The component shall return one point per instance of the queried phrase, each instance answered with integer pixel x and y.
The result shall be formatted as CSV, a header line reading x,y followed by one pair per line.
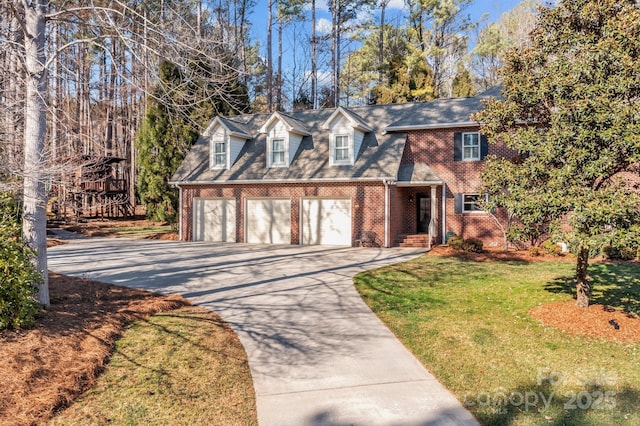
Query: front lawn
x,y
468,323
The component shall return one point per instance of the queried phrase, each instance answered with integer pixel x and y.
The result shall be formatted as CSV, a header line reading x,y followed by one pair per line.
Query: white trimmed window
x,y
341,150
471,146
219,159
277,152
471,202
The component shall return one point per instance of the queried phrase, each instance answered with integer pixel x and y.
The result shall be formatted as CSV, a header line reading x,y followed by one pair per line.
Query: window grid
x,y
277,152
471,202
341,149
220,154
471,146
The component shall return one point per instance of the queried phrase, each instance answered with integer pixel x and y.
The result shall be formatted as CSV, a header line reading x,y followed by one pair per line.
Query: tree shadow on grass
x,y
613,284
542,402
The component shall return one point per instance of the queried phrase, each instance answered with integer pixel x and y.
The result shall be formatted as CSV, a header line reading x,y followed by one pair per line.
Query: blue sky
x,y
296,61
490,9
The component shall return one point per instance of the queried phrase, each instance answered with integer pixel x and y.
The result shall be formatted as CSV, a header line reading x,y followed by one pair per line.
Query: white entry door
x,y
326,221
268,221
214,220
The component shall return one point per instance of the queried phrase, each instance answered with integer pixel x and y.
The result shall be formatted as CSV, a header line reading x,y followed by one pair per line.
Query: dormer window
x,y
346,133
284,136
219,160
226,140
277,152
341,150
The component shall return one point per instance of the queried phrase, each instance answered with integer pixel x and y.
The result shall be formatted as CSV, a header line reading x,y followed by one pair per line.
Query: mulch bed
x,y
45,368
596,321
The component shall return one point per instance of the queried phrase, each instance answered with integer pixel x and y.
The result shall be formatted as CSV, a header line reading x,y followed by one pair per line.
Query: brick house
x,y
397,174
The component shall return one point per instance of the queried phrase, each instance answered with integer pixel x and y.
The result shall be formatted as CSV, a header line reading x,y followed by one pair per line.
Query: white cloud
x,y
323,26
322,5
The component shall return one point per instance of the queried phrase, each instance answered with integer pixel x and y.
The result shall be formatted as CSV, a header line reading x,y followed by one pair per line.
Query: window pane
x,y
471,202
471,146
277,151
277,158
341,151
220,154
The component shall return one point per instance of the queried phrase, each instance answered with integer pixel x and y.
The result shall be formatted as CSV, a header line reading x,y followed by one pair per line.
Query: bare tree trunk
x,y
314,71
279,74
35,219
583,286
383,8
269,57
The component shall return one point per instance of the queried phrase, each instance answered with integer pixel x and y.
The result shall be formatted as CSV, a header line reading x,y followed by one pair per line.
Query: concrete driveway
x,y
317,354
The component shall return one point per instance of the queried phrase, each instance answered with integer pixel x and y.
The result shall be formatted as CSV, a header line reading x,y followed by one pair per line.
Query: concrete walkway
x,y
317,354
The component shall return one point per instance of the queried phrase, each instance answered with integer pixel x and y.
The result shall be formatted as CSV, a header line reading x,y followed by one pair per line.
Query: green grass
x,y
182,367
467,322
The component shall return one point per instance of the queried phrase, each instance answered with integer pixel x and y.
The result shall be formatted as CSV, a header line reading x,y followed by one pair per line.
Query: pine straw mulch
x,y
101,227
602,322
597,321
45,368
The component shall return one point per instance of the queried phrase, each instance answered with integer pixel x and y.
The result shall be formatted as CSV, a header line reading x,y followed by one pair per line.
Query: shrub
x,y
549,247
455,242
535,251
621,253
18,276
473,245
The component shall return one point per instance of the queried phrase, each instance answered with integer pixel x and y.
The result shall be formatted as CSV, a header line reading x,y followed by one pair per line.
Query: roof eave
x,y
431,126
254,181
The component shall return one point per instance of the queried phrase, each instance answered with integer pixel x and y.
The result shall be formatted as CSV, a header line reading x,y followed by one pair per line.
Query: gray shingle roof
x,y
379,157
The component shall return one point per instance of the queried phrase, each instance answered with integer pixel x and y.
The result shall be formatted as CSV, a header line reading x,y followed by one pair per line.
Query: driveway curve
x,y
317,354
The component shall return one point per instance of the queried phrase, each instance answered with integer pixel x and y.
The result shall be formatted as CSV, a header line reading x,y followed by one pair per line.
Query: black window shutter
x,y
457,202
457,146
484,146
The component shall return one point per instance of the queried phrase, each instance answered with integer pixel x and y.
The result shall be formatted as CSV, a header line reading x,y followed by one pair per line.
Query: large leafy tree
x,y
571,103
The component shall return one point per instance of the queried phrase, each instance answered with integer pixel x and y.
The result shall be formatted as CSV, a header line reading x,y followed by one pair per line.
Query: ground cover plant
x,y
474,325
138,368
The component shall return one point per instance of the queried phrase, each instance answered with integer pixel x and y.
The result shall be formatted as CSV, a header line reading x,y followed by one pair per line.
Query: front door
x,y
424,213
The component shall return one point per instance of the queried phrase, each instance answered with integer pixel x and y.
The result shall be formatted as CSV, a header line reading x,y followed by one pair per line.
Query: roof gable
x,y
291,124
232,128
354,119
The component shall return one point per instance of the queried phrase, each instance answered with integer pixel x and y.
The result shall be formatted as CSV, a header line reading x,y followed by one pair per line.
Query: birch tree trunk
x,y
34,225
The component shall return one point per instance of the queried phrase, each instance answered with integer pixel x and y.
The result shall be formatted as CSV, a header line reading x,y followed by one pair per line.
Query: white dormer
x,y
284,135
346,133
226,139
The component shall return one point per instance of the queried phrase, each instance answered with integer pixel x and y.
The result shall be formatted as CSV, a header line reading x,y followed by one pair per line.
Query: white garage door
x,y
269,221
326,221
214,220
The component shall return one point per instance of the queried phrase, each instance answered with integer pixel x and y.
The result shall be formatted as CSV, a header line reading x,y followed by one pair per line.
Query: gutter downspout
x,y
386,211
180,212
444,213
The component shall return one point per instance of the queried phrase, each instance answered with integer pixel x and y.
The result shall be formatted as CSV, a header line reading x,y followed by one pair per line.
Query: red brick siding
x,y
367,203
435,148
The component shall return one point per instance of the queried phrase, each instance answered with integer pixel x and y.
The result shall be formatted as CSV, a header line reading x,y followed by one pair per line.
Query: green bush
x,y
473,245
455,242
620,253
18,276
551,248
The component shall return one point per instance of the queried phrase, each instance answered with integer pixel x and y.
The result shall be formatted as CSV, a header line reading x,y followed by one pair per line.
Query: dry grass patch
x,y
46,368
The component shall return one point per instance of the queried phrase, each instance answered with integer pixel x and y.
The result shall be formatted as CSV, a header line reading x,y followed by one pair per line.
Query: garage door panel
x,y
326,221
214,220
269,221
